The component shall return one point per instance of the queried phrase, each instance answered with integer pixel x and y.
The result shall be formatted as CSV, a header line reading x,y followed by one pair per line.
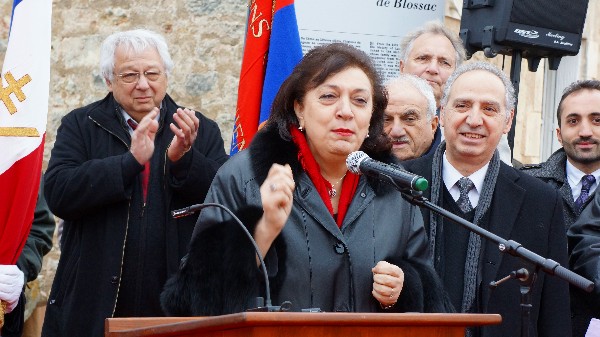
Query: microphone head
x,y
354,159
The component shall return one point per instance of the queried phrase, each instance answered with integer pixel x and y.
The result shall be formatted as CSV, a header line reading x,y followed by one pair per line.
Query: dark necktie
x,y
146,171
464,186
586,182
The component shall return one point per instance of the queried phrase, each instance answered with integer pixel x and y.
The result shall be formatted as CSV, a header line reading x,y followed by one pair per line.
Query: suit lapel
x,y
362,198
422,167
567,194
506,204
309,199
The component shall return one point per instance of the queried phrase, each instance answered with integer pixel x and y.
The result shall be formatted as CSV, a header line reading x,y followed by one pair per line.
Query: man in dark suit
x,y
574,171
468,178
118,168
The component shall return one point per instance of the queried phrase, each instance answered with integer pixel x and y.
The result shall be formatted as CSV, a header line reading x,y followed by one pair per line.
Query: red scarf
x,y
311,167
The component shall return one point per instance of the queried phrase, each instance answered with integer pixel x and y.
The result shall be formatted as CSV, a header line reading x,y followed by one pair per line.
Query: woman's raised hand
x,y
276,193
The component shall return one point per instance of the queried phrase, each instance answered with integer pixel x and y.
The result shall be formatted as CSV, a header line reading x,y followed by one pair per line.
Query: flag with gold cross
x,y
23,113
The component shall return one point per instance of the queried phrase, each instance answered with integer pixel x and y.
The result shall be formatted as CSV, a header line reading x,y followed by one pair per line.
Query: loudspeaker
x,y
537,28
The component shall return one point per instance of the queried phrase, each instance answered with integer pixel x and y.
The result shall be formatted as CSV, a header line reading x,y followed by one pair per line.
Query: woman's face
x,y
336,114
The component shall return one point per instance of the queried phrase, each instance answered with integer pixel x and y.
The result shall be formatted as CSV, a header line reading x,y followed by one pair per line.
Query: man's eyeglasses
x,y
135,77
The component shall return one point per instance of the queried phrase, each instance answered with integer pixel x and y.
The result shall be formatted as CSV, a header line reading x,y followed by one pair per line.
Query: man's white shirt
x,y
450,175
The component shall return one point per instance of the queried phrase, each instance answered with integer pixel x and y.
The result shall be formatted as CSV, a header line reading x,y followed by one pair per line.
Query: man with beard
x,y
409,118
574,169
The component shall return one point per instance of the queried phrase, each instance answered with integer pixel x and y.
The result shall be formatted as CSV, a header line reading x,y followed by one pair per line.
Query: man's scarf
x,y
472,269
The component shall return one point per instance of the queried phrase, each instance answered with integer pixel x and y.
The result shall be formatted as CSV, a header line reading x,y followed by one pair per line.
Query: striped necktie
x,y
464,186
586,183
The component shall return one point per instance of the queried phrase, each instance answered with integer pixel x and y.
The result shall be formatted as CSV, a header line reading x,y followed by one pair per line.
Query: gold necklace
x,y
333,191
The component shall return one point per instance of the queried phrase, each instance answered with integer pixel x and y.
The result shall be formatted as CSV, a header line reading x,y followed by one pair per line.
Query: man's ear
x,y
109,84
434,123
559,135
509,121
442,115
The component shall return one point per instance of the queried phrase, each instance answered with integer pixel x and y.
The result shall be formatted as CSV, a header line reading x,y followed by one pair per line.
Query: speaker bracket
x,y
465,36
472,4
533,63
554,62
487,41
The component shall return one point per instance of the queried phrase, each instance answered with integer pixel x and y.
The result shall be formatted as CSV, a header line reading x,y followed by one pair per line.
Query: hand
x,y
11,285
142,139
388,280
276,194
185,135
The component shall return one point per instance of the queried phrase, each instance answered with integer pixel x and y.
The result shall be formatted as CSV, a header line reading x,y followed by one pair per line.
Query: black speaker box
x,y
537,28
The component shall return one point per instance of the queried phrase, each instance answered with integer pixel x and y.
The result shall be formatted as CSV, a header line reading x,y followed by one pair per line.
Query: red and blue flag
x,y
268,60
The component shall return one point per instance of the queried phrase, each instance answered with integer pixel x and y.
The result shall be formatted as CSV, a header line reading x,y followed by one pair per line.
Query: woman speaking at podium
x,y
330,239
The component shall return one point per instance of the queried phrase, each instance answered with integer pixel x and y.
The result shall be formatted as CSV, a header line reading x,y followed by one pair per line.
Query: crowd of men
x,y
121,164
433,54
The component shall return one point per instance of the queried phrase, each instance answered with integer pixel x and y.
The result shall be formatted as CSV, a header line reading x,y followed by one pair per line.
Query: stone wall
x,y
205,37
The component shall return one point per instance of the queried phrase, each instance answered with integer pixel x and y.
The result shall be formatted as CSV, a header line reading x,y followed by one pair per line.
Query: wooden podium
x,y
296,324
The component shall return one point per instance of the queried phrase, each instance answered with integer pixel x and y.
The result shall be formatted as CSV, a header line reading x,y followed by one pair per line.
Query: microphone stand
x,y
525,289
260,305
511,247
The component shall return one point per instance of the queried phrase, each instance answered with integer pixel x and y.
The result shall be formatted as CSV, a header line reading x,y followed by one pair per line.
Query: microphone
x,y
359,162
285,306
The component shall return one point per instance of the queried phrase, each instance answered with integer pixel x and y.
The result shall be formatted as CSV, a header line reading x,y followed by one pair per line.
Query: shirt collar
x,y
574,176
126,117
450,175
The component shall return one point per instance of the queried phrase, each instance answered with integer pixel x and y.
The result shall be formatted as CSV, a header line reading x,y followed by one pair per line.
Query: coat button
x,y
114,279
339,248
363,194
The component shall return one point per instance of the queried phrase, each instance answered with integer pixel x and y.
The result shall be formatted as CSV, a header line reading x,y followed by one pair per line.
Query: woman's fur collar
x,y
268,148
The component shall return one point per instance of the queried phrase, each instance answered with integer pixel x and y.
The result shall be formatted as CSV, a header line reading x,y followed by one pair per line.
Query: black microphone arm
x,y
505,246
195,208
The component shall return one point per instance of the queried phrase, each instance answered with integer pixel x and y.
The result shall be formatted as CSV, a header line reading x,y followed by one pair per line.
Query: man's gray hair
x,y
421,85
435,28
136,41
479,65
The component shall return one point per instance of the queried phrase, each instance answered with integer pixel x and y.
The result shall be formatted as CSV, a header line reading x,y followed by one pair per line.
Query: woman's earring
x,y
300,128
367,135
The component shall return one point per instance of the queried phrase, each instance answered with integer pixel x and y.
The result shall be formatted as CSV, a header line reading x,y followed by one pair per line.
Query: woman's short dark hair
x,y
315,68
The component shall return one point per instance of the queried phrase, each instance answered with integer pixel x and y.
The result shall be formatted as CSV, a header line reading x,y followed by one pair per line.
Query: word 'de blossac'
x,y
407,4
